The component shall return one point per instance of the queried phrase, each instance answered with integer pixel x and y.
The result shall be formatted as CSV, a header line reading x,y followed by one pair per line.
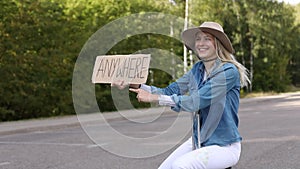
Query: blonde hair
x,y
226,56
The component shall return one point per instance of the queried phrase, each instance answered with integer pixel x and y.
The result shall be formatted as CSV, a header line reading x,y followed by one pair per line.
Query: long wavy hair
x,y
226,56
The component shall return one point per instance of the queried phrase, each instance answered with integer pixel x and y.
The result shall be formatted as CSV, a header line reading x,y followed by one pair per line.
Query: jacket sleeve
x,y
214,89
179,87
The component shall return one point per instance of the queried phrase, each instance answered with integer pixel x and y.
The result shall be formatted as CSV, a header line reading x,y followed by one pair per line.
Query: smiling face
x,y
205,46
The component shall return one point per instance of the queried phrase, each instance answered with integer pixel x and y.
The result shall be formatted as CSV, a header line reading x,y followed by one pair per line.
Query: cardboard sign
x,y
129,68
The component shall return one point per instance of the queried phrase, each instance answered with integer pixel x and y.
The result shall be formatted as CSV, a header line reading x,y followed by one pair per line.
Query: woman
x,y
211,90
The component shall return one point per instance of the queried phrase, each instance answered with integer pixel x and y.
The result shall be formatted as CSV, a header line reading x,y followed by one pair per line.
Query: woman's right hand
x,y
144,96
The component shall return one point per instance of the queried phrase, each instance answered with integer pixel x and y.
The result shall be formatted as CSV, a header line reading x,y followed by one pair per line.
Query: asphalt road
x,y
269,126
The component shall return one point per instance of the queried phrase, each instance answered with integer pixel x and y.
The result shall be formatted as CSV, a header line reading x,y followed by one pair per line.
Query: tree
x,y
40,41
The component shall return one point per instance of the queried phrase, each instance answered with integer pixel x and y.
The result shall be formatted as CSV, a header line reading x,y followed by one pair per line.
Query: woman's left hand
x,y
144,96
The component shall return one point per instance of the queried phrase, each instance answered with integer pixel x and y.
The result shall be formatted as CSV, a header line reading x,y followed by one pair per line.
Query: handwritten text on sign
x,y
129,68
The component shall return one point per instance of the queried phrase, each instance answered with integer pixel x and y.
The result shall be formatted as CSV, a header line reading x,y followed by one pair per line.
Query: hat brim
x,y
189,35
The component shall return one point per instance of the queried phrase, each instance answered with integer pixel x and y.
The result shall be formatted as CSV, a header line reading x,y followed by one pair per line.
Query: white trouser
x,y
210,157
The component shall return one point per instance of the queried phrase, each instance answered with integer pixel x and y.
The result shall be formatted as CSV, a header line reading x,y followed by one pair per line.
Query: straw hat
x,y
189,35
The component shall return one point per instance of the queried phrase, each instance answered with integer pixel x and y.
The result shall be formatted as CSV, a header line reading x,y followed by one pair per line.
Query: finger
x,y
122,83
121,87
134,90
117,83
113,84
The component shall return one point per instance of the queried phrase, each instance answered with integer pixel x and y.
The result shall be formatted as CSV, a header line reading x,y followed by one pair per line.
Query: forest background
x,y
40,41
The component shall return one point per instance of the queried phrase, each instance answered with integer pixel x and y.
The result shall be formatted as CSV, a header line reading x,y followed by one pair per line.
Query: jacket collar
x,y
215,69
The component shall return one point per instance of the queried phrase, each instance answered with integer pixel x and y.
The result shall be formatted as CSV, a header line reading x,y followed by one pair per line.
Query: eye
x,y
207,38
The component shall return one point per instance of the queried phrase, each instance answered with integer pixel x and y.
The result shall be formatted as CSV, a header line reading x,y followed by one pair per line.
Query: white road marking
x,y
4,163
38,143
279,139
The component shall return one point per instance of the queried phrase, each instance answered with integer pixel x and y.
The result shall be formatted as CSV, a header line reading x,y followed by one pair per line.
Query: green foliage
x,y
297,14
41,39
36,59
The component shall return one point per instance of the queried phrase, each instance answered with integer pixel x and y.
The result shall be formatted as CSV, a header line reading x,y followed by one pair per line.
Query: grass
x,y
258,94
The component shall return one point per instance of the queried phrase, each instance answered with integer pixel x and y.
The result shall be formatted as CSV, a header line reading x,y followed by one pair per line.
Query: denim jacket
x,y
216,99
